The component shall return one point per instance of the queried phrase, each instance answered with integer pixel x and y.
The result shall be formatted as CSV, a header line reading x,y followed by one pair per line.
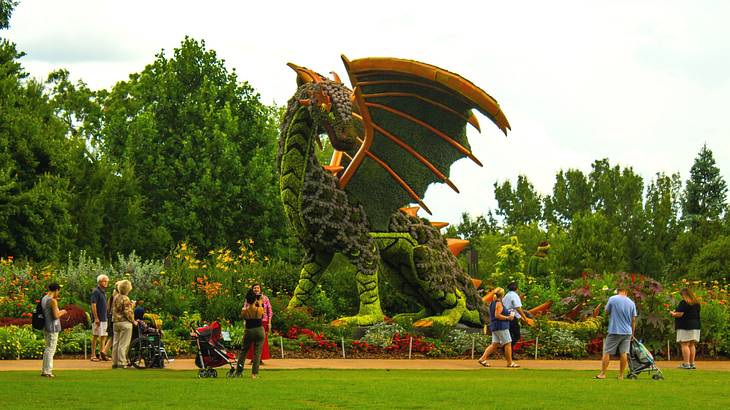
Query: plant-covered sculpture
x,y
396,131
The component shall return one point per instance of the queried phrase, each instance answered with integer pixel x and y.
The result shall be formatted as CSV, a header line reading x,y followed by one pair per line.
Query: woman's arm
x,y
54,307
498,313
128,310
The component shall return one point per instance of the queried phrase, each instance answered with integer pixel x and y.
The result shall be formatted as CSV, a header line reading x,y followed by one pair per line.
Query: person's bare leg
x,y
685,352
102,345
109,342
508,353
623,360
692,352
93,346
488,351
604,366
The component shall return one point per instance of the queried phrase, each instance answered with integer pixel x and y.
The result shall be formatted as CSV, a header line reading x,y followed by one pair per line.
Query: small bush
x,y
20,342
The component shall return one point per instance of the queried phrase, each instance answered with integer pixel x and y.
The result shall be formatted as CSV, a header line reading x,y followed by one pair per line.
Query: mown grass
x,y
513,389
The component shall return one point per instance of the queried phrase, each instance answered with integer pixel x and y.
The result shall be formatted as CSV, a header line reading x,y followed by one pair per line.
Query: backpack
x,y
39,320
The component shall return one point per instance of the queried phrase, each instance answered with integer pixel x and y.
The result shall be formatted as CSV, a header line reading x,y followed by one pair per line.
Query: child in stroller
x,y
211,352
147,349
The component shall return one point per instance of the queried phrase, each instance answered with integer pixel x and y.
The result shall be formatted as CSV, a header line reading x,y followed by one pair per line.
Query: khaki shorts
x,y
98,330
501,337
688,335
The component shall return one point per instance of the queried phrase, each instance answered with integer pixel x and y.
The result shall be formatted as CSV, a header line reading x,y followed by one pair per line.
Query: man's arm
x,y
523,316
95,313
633,325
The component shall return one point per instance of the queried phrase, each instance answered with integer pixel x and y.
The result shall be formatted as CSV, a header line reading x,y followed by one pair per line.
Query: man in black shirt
x,y
98,314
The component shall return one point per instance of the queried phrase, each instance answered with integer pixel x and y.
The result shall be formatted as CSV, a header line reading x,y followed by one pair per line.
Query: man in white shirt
x,y
512,302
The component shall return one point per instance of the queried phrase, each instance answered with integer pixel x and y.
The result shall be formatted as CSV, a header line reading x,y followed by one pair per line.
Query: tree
x,y
705,191
662,209
6,10
518,206
35,162
202,147
618,195
571,195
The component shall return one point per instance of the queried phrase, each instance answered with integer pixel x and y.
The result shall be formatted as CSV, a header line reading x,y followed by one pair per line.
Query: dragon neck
x,y
296,153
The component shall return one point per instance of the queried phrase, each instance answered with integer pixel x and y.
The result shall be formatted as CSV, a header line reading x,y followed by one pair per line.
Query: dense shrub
x,y
20,342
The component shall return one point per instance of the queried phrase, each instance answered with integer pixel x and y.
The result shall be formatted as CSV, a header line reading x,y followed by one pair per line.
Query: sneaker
x,y
49,375
685,366
692,366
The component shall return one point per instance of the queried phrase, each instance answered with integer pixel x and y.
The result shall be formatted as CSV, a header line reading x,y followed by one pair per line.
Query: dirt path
x,y
188,364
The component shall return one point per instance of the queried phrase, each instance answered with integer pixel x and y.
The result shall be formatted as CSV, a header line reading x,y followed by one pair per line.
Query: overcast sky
x,y
642,83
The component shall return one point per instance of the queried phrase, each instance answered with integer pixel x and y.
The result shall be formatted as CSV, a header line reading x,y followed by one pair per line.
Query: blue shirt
x,y
98,296
622,311
494,323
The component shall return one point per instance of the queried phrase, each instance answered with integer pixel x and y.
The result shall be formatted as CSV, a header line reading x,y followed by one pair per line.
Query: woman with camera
x,y
252,313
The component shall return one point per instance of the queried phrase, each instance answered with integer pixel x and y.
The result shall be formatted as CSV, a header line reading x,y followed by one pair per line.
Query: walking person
x,y
51,328
265,322
99,315
253,338
512,303
687,323
123,312
499,321
110,321
621,326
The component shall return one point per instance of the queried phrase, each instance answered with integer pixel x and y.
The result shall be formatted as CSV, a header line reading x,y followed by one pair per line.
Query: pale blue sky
x,y
643,83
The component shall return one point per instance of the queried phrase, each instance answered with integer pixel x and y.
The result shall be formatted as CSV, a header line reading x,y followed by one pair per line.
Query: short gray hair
x,y
101,277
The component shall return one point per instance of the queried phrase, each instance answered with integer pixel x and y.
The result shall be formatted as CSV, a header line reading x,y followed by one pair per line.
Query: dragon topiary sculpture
x,y
399,129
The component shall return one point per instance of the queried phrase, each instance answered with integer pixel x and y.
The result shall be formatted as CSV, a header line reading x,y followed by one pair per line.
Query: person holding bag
x,y
252,313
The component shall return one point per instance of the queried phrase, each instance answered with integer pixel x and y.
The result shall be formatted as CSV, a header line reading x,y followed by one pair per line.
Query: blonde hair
x,y
498,292
689,296
124,287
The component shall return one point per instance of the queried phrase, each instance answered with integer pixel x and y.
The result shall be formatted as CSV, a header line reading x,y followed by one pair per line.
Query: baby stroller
x,y
211,352
146,351
641,360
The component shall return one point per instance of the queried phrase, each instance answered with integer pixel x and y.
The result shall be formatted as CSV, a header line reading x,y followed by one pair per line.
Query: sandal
x,y
95,359
513,365
483,363
104,357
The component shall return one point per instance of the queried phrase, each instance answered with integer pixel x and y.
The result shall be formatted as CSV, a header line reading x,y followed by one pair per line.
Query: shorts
x,y
615,344
501,337
98,330
684,335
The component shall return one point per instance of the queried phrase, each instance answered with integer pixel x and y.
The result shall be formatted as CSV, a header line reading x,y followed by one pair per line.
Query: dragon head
x,y
330,105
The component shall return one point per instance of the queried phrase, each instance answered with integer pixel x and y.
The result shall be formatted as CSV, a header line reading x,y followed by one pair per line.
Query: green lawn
x,y
503,389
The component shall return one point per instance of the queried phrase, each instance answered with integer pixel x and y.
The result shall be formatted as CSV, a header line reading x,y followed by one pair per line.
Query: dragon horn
x,y
305,75
336,77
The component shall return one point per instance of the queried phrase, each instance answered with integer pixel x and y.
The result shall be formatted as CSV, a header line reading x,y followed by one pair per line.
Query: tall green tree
x,y
705,191
618,194
571,195
662,210
518,206
201,145
35,162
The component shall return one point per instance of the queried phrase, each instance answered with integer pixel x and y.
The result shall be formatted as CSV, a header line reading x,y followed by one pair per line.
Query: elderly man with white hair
x,y
99,315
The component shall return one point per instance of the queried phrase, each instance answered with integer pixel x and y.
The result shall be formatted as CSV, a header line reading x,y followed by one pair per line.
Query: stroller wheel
x,y
213,373
657,377
631,376
231,374
202,373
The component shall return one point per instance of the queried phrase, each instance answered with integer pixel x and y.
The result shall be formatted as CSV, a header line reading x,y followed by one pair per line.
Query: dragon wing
x,y
413,118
